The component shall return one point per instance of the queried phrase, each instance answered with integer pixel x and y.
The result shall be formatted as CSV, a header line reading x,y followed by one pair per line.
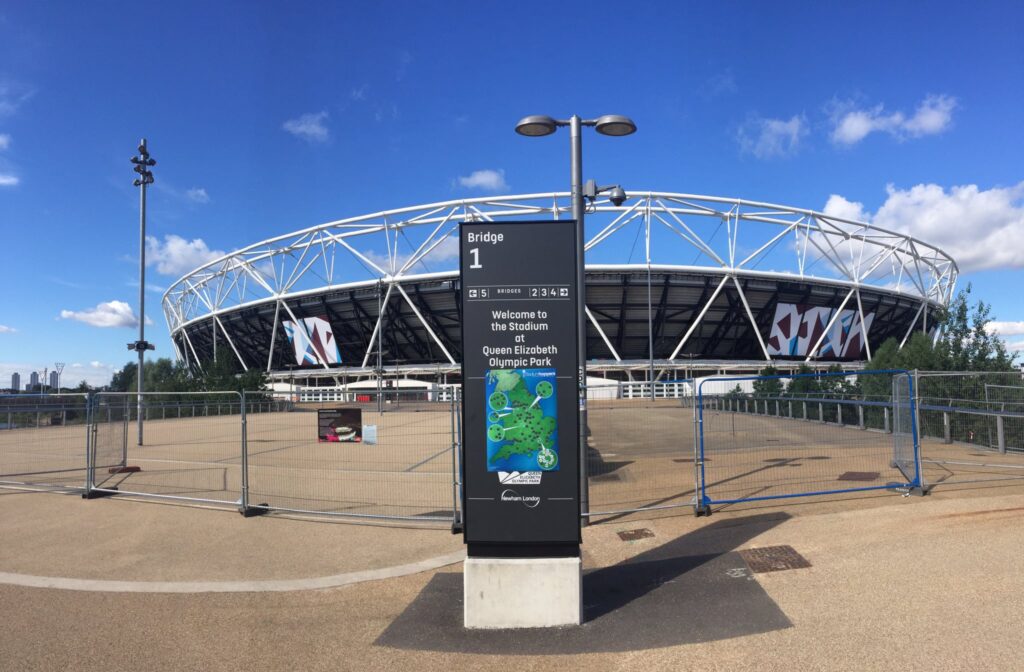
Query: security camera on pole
x,y
143,163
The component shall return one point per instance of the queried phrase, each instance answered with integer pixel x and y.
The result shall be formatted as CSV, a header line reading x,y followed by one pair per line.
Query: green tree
x,y
964,343
768,387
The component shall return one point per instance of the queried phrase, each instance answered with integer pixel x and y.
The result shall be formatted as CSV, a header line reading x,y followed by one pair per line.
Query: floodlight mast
x,y
142,163
610,124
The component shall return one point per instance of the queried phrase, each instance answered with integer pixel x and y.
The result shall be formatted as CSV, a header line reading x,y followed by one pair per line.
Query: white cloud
x,y
177,256
8,180
980,229
933,115
106,314
359,93
769,138
197,195
310,127
487,179
1005,328
4,329
5,141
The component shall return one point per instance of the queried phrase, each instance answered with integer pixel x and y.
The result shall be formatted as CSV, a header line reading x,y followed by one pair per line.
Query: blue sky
x,y
265,118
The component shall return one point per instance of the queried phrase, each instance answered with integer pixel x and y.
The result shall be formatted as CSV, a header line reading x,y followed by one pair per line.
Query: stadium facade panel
x,y
680,280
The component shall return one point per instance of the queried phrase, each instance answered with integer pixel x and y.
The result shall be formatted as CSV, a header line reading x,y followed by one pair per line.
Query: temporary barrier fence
x,y
971,426
43,440
191,449
724,441
639,450
396,459
774,437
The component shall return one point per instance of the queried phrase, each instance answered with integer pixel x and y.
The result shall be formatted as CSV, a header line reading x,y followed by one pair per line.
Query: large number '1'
x,y
476,258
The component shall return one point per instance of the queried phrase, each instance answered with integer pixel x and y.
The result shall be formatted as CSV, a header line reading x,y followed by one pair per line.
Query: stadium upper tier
x,y
670,277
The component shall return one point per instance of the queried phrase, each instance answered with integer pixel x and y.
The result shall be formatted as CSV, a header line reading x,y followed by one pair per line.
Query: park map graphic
x,y
522,420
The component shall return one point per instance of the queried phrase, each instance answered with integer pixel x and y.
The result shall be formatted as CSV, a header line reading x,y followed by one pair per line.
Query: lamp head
x,y
615,124
536,125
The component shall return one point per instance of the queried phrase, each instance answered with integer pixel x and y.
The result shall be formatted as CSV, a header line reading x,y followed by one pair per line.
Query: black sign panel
x,y
520,389
339,425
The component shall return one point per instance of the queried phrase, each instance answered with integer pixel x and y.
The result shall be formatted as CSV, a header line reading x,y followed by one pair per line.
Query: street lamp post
x,y
143,163
609,124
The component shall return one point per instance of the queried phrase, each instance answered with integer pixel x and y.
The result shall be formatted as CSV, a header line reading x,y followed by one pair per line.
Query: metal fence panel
x,y
770,437
108,421
406,473
192,448
971,426
43,440
906,457
640,451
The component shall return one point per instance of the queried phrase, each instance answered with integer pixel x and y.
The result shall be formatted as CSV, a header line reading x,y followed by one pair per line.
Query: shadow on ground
x,y
694,588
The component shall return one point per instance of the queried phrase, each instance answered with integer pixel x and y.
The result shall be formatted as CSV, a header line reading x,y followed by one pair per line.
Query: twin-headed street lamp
x,y
610,124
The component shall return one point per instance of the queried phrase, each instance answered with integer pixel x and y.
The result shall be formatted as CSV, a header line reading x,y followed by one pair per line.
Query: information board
x,y
520,454
339,425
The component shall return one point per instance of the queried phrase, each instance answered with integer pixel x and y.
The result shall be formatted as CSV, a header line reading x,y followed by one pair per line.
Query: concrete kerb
x,y
257,586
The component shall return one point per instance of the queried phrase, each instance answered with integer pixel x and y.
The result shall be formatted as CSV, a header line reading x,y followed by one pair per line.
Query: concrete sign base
x,y
522,592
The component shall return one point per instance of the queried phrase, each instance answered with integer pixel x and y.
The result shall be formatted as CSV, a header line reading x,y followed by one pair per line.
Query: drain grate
x,y
859,476
773,559
635,535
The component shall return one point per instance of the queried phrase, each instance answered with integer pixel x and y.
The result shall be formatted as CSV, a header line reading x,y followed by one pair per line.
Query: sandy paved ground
x,y
900,583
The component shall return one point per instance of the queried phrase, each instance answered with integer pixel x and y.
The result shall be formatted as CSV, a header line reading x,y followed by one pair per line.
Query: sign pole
x,y
578,213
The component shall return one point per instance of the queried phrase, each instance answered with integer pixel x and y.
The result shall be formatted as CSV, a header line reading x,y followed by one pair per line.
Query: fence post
x,y
805,410
790,404
455,477
839,414
885,418
1000,435
778,413
946,434
860,417
821,412
244,498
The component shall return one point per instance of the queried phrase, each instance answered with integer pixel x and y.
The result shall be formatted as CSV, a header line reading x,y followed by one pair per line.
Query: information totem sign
x,y
520,449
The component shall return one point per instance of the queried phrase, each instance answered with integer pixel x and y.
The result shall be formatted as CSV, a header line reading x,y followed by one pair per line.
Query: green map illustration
x,y
522,420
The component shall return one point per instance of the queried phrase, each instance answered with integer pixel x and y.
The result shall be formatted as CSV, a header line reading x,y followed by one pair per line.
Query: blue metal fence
x,y
776,437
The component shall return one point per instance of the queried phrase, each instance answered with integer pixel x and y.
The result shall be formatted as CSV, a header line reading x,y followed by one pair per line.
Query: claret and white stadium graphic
x,y
673,281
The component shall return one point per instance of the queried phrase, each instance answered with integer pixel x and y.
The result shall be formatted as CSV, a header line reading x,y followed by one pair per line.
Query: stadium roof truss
x,y
394,251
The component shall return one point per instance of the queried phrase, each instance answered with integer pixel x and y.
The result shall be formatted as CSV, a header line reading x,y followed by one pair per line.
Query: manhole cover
x,y
773,559
635,535
859,476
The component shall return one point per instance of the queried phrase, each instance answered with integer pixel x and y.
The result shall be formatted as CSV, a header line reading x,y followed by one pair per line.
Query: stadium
x,y
676,285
